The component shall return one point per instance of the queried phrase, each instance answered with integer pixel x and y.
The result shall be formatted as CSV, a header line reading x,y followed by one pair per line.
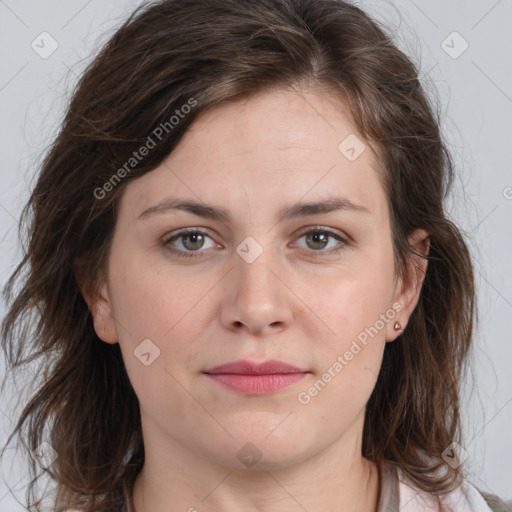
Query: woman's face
x,y
262,277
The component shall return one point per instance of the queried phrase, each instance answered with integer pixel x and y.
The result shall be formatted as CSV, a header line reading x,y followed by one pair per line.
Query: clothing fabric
x,y
397,494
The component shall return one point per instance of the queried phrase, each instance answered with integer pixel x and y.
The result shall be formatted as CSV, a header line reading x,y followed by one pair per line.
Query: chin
x,y
257,452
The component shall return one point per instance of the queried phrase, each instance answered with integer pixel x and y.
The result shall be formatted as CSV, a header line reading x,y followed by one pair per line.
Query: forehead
x,y
275,147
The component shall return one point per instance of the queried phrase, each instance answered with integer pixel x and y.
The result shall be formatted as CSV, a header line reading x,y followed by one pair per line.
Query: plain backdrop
x,y
463,50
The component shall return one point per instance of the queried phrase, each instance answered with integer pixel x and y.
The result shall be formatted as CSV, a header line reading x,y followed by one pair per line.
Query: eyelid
x,y
185,231
331,231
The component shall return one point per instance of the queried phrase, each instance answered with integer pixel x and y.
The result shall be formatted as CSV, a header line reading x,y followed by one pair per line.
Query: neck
x,y
336,479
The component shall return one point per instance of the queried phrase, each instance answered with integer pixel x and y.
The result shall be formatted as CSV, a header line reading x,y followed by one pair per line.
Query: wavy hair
x,y
164,55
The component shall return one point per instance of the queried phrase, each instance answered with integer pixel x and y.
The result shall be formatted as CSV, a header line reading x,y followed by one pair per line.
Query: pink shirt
x,y
398,494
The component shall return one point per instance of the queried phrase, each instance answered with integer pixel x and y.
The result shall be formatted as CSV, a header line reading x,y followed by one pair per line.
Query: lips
x,y
251,378
244,367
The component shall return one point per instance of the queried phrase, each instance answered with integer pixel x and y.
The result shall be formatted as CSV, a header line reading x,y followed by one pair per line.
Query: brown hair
x,y
204,53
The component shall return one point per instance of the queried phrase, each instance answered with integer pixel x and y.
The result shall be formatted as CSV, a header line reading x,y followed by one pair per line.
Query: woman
x,y
245,290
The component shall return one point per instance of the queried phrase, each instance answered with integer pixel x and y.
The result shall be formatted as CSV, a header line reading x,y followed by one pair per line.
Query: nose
x,y
257,299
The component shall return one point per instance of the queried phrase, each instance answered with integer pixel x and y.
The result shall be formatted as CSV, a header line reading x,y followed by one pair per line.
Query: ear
x,y
408,288
100,306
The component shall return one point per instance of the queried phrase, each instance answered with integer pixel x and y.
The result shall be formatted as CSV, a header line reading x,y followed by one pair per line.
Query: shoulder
x,y
465,498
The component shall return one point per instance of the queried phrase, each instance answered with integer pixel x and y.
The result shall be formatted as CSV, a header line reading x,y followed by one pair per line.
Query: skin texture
x,y
251,158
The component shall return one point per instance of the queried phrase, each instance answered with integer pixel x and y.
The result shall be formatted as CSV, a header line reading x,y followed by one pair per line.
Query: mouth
x,y
250,378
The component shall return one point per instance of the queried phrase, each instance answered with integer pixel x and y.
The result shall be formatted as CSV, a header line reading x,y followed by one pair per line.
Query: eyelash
x,y
198,254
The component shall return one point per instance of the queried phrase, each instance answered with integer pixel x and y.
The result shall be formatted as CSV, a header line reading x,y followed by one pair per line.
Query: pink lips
x,y
256,379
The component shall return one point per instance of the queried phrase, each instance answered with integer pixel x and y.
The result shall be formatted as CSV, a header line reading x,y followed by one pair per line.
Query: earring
x,y
397,327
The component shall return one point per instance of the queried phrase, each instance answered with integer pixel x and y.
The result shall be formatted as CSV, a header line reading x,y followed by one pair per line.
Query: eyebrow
x,y
295,210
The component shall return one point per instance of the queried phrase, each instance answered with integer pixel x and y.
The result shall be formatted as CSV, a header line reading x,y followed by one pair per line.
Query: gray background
x,y
474,88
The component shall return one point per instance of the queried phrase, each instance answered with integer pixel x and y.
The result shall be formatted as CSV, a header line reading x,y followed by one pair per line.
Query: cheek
x,y
355,301
154,300
348,362
156,307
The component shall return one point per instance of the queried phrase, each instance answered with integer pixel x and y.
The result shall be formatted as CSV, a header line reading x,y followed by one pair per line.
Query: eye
x,y
318,239
190,240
